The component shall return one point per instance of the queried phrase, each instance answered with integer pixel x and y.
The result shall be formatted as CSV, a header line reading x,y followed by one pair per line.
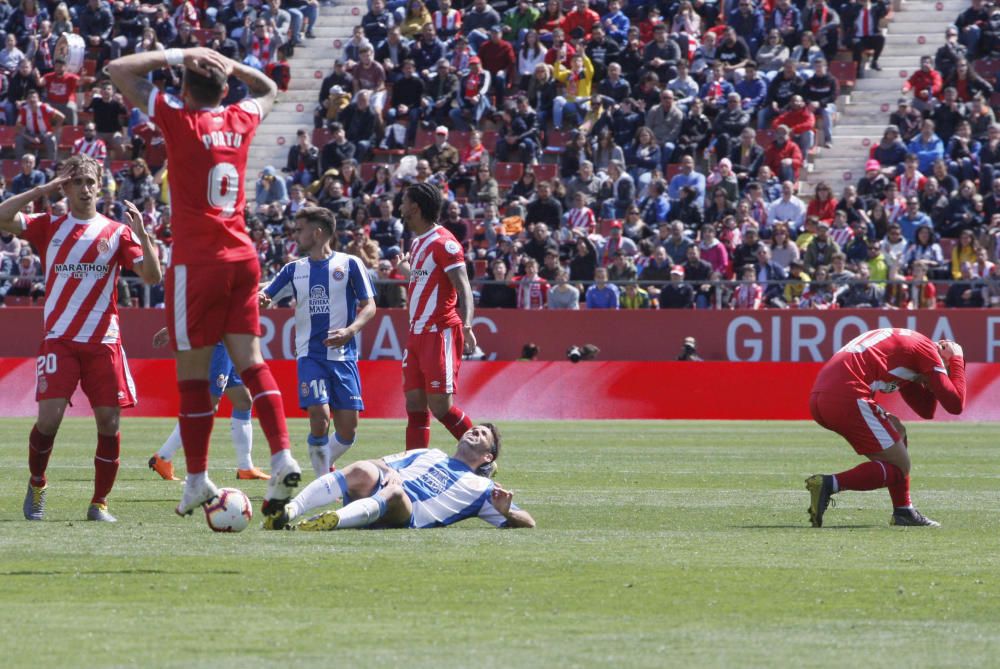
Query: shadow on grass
x,y
117,572
804,527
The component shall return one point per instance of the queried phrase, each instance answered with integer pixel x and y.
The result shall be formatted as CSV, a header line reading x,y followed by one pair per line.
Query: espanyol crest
x,y
339,274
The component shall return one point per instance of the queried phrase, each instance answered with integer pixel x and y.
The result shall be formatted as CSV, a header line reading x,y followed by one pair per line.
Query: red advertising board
x,y
548,390
735,336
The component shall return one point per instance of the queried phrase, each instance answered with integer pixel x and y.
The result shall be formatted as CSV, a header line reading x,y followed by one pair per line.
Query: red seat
x,y
119,165
460,139
321,136
490,141
423,139
507,174
70,133
546,171
555,141
986,67
89,68
383,153
10,169
845,72
480,267
947,245
995,99
368,170
8,134
84,117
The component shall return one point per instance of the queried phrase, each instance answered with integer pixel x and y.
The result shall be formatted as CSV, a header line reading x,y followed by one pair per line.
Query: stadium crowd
x,y
597,155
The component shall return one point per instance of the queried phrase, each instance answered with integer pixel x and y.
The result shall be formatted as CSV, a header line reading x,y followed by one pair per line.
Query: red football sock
x,y
105,466
418,429
39,450
456,422
270,408
195,420
900,493
870,476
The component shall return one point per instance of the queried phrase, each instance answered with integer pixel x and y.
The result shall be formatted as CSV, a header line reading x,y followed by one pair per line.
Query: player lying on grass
x,y
82,253
333,301
417,489
223,379
843,401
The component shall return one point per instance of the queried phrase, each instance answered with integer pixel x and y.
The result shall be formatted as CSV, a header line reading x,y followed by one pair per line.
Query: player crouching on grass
x,y
842,400
333,301
82,252
416,489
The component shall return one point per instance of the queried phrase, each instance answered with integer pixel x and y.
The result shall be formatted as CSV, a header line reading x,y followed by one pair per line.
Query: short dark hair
x,y
428,200
208,88
321,217
495,431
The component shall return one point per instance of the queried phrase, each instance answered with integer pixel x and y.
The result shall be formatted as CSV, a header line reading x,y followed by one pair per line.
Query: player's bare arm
x,y
516,518
161,338
262,88
340,336
149,269
10,217
263,299
460,279
129,72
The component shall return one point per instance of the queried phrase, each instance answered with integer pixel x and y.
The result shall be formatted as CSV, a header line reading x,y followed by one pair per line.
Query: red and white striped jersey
x,y
82,261
842,236
582,219
747,296
452,21
95,148
431,295
36,121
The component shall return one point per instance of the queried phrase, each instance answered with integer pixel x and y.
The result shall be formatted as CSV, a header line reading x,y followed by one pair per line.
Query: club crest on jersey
x,y
220,380
173,101
304,389
452,247
319,302
43,384
56,241
339,274
103,246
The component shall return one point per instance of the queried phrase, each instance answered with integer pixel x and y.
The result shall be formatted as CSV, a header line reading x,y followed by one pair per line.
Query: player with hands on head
x,y
440,303
334,299
211,285
82,252
223,379
885,360
415,489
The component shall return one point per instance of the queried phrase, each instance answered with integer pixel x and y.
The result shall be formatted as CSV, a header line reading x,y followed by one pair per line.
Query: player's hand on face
x,y
501,499
54,185
161,338
263,299
337,338
950,349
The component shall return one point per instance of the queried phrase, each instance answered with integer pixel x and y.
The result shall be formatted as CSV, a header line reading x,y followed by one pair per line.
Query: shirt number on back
x,y
223,186
866,340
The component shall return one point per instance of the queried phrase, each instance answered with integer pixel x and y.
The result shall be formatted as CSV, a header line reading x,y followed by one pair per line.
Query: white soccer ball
x,y
231,511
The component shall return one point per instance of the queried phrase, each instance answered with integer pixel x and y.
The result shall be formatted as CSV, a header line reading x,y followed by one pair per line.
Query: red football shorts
x,y
205,302
100,369
432,359
859,420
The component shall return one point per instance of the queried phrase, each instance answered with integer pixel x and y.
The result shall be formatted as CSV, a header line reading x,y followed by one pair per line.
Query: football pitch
x,y
659,544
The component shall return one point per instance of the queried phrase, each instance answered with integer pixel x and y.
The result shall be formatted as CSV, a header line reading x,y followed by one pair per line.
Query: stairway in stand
x,y
917,28
312,61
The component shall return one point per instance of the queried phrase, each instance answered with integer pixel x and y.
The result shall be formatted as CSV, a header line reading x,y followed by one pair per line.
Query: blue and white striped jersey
x,y
443,490
326,298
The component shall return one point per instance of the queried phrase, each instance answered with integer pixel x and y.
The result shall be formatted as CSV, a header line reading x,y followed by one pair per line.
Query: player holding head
x,y
440,302
843,401
223,380
333,301
82,252
211,286
416,489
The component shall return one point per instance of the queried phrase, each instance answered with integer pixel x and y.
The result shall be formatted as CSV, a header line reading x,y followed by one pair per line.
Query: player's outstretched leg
x,y
360,513
39,451
105,472
456,421
162,460
327,489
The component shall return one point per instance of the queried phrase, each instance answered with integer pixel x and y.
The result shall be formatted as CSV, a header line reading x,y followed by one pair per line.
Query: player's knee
x,y
361,478
108,421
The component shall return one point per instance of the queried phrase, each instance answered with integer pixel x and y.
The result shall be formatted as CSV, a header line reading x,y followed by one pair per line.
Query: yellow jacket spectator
x,y
798,282
634,297
964,251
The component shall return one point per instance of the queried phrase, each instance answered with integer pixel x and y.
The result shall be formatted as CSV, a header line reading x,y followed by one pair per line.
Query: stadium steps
x,y
312,61
917,28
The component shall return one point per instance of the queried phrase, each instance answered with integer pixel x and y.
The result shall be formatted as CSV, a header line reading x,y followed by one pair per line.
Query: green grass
x,y
658,544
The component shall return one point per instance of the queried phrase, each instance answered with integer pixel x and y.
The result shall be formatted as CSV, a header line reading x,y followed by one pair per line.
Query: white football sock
x,y
172,444
196,479
242,433
327,489
319,455
361,513
337,447
280,459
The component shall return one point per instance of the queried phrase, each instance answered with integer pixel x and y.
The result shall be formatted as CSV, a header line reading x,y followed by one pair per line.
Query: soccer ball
x,y
229,512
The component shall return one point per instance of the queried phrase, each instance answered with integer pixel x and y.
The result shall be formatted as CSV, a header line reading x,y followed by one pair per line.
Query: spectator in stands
x,y
541,243
821,249
136,184
473,96
967,291
602,295
789,208
820,92
769,276
962,153
563,295
772,54
28,177
862,33
484,190
783,250
337,150
872,185
961,214
784,157
948,114
965,251
302,165
949,54
60,90
824,22
797,284
38,125
477,21
545,208
926,85
270,188
971,22
500,60
583,261
442,156
911,220
746,157
689,178
801,123
10,55
24,80
677,294
110,116
635,297
532,290
498,293
894,246
862,293
926,251
390,288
